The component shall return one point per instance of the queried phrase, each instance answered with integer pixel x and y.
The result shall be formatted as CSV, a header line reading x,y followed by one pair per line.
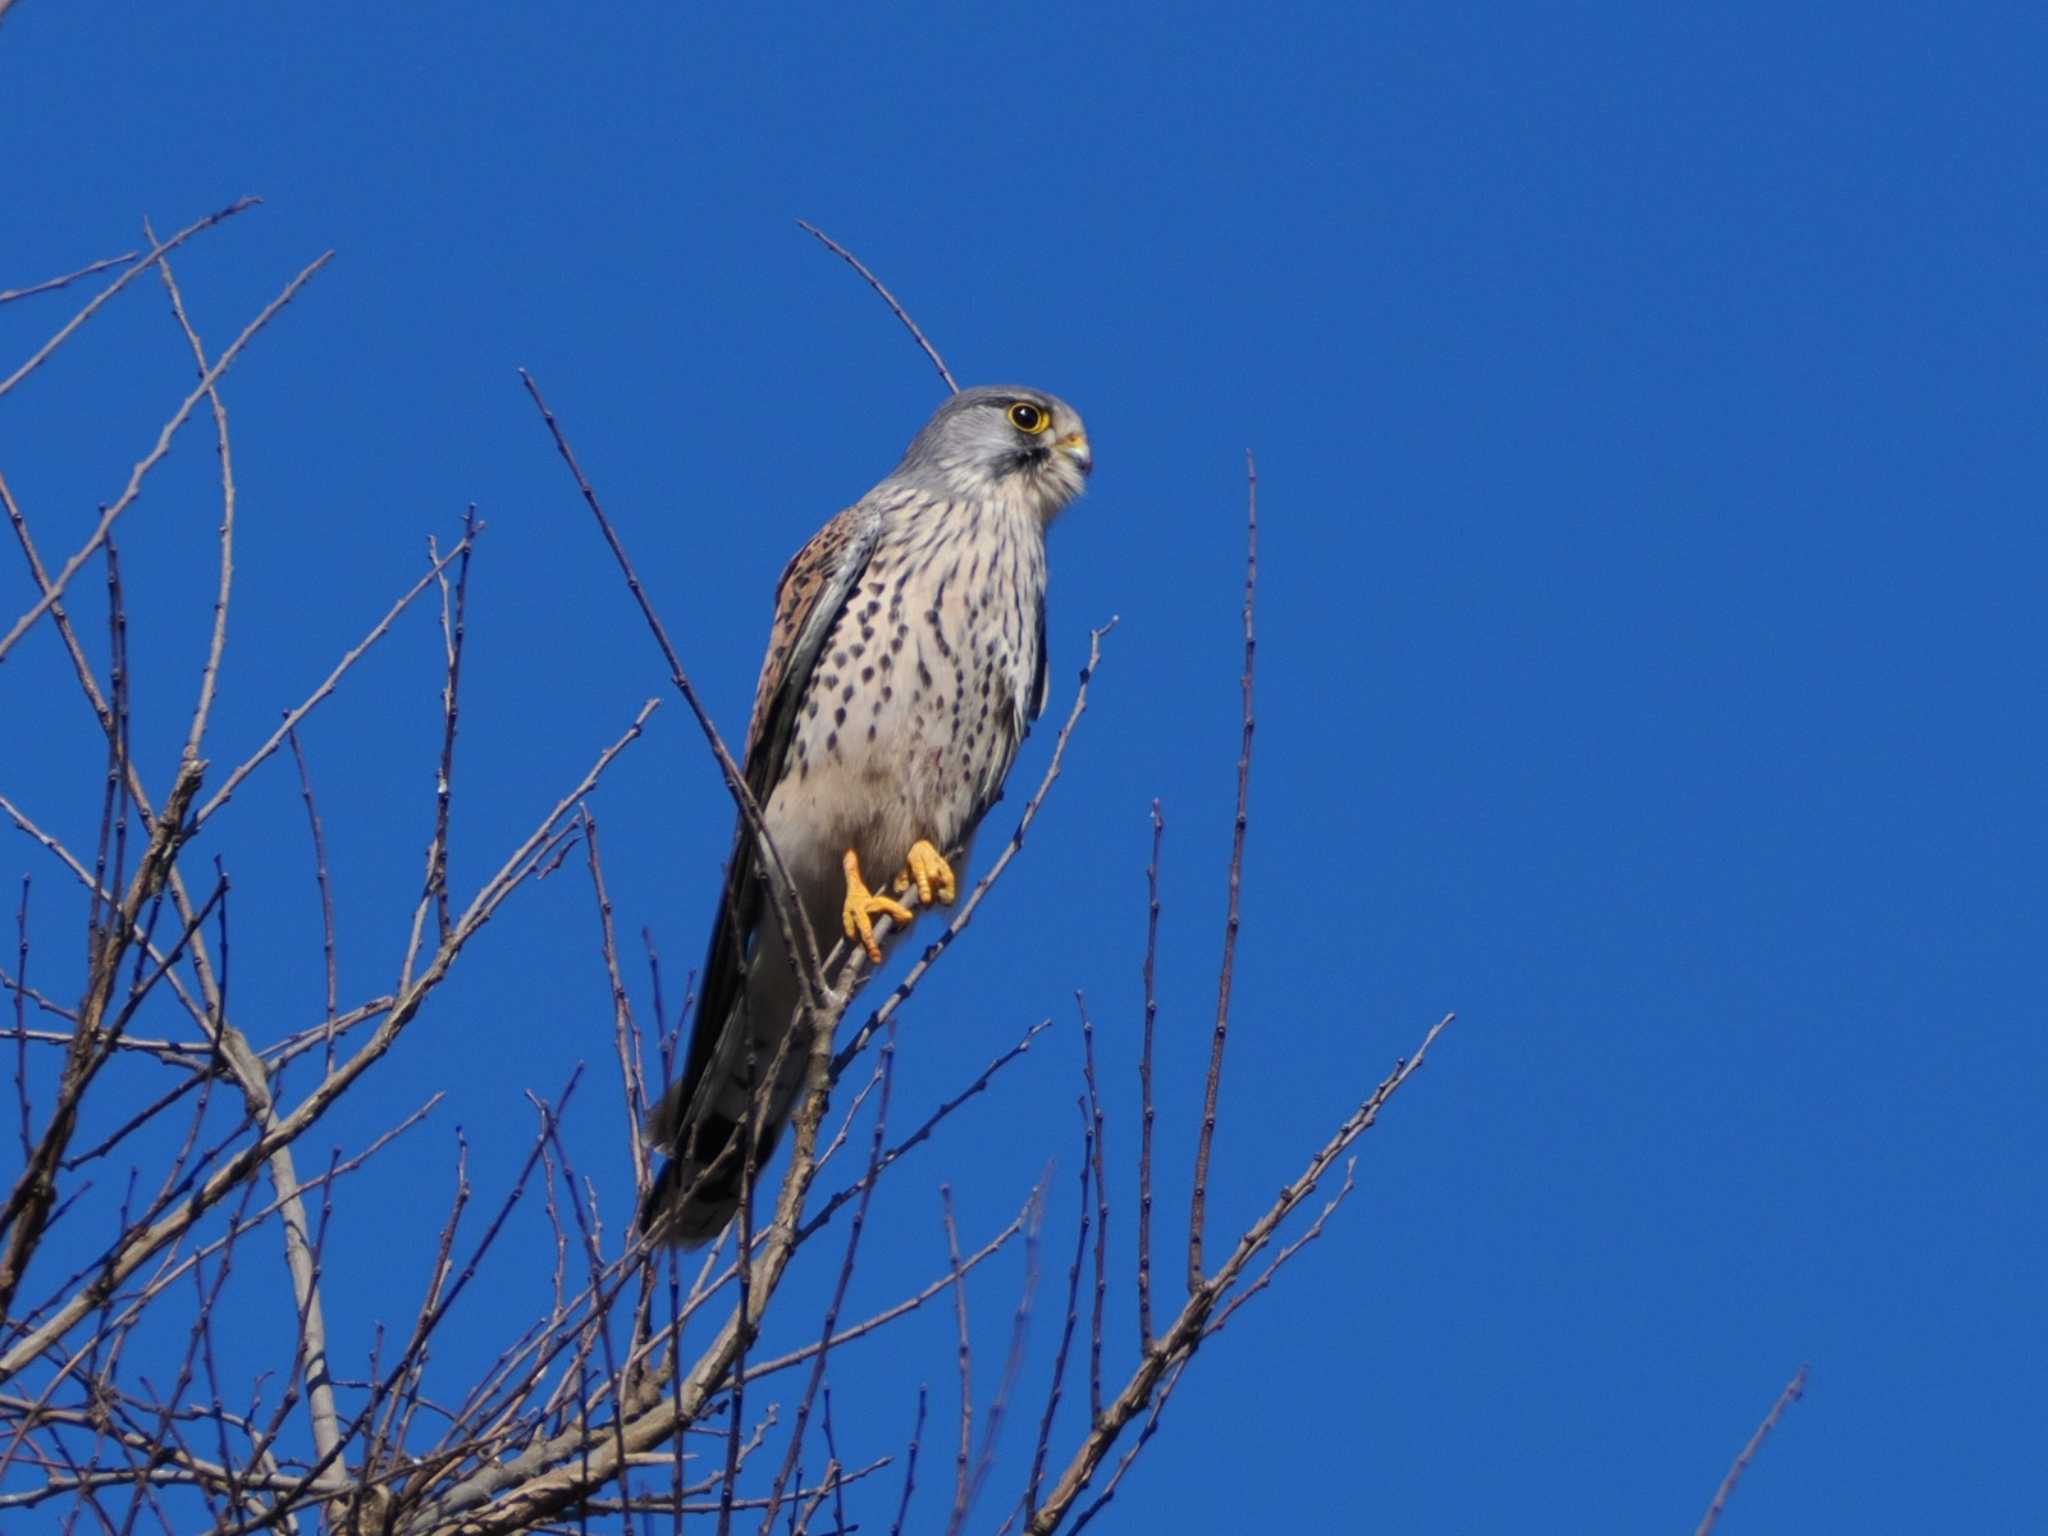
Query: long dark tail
x,y
698,1190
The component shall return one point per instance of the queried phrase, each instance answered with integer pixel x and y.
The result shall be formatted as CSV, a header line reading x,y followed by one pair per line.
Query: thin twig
x,y
790,916
966,1362
1145,1084
888,298
1059,1363
211,675
1197,1208
622,1006
320,880
889,1315
832,1450
1794,1390
745,1136
8,296
1093,1109
1315,1230
21,992
454,626
924,1131
910,1466
1020,1332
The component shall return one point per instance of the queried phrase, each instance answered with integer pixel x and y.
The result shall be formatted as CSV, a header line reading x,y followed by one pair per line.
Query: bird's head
x,y
1003,440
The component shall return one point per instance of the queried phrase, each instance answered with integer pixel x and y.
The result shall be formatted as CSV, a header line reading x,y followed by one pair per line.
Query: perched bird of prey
x,y
906,663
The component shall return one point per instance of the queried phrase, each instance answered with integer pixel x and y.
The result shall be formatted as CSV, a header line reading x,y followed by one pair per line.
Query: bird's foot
x,y
863,906
926,868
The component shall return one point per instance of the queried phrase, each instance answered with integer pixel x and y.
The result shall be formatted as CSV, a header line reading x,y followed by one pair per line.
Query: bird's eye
x,y
1026,417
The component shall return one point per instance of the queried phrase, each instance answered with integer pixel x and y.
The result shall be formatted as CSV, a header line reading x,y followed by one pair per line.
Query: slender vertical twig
x,y
910,1465
21,1021
966,1362
113,835
1197,1209
210,676
1059,1363
320,880
1145,1084
622,1006
838,1484
454,626
749,1141
1094,1111
1013,1362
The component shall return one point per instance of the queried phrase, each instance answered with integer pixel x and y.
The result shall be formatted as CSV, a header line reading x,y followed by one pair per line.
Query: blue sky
x,y
1648,414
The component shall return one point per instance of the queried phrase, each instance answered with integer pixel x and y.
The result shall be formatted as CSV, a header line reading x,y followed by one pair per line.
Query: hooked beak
x,y
1075,446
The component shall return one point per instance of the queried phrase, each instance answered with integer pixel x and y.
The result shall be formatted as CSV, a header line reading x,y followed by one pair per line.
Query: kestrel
x,y
906,664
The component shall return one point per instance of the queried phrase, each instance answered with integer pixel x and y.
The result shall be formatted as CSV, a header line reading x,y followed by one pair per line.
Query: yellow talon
x,y
925,868
864,906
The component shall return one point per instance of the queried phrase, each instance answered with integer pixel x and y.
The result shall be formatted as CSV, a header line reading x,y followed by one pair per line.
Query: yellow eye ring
x,y
1026,417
